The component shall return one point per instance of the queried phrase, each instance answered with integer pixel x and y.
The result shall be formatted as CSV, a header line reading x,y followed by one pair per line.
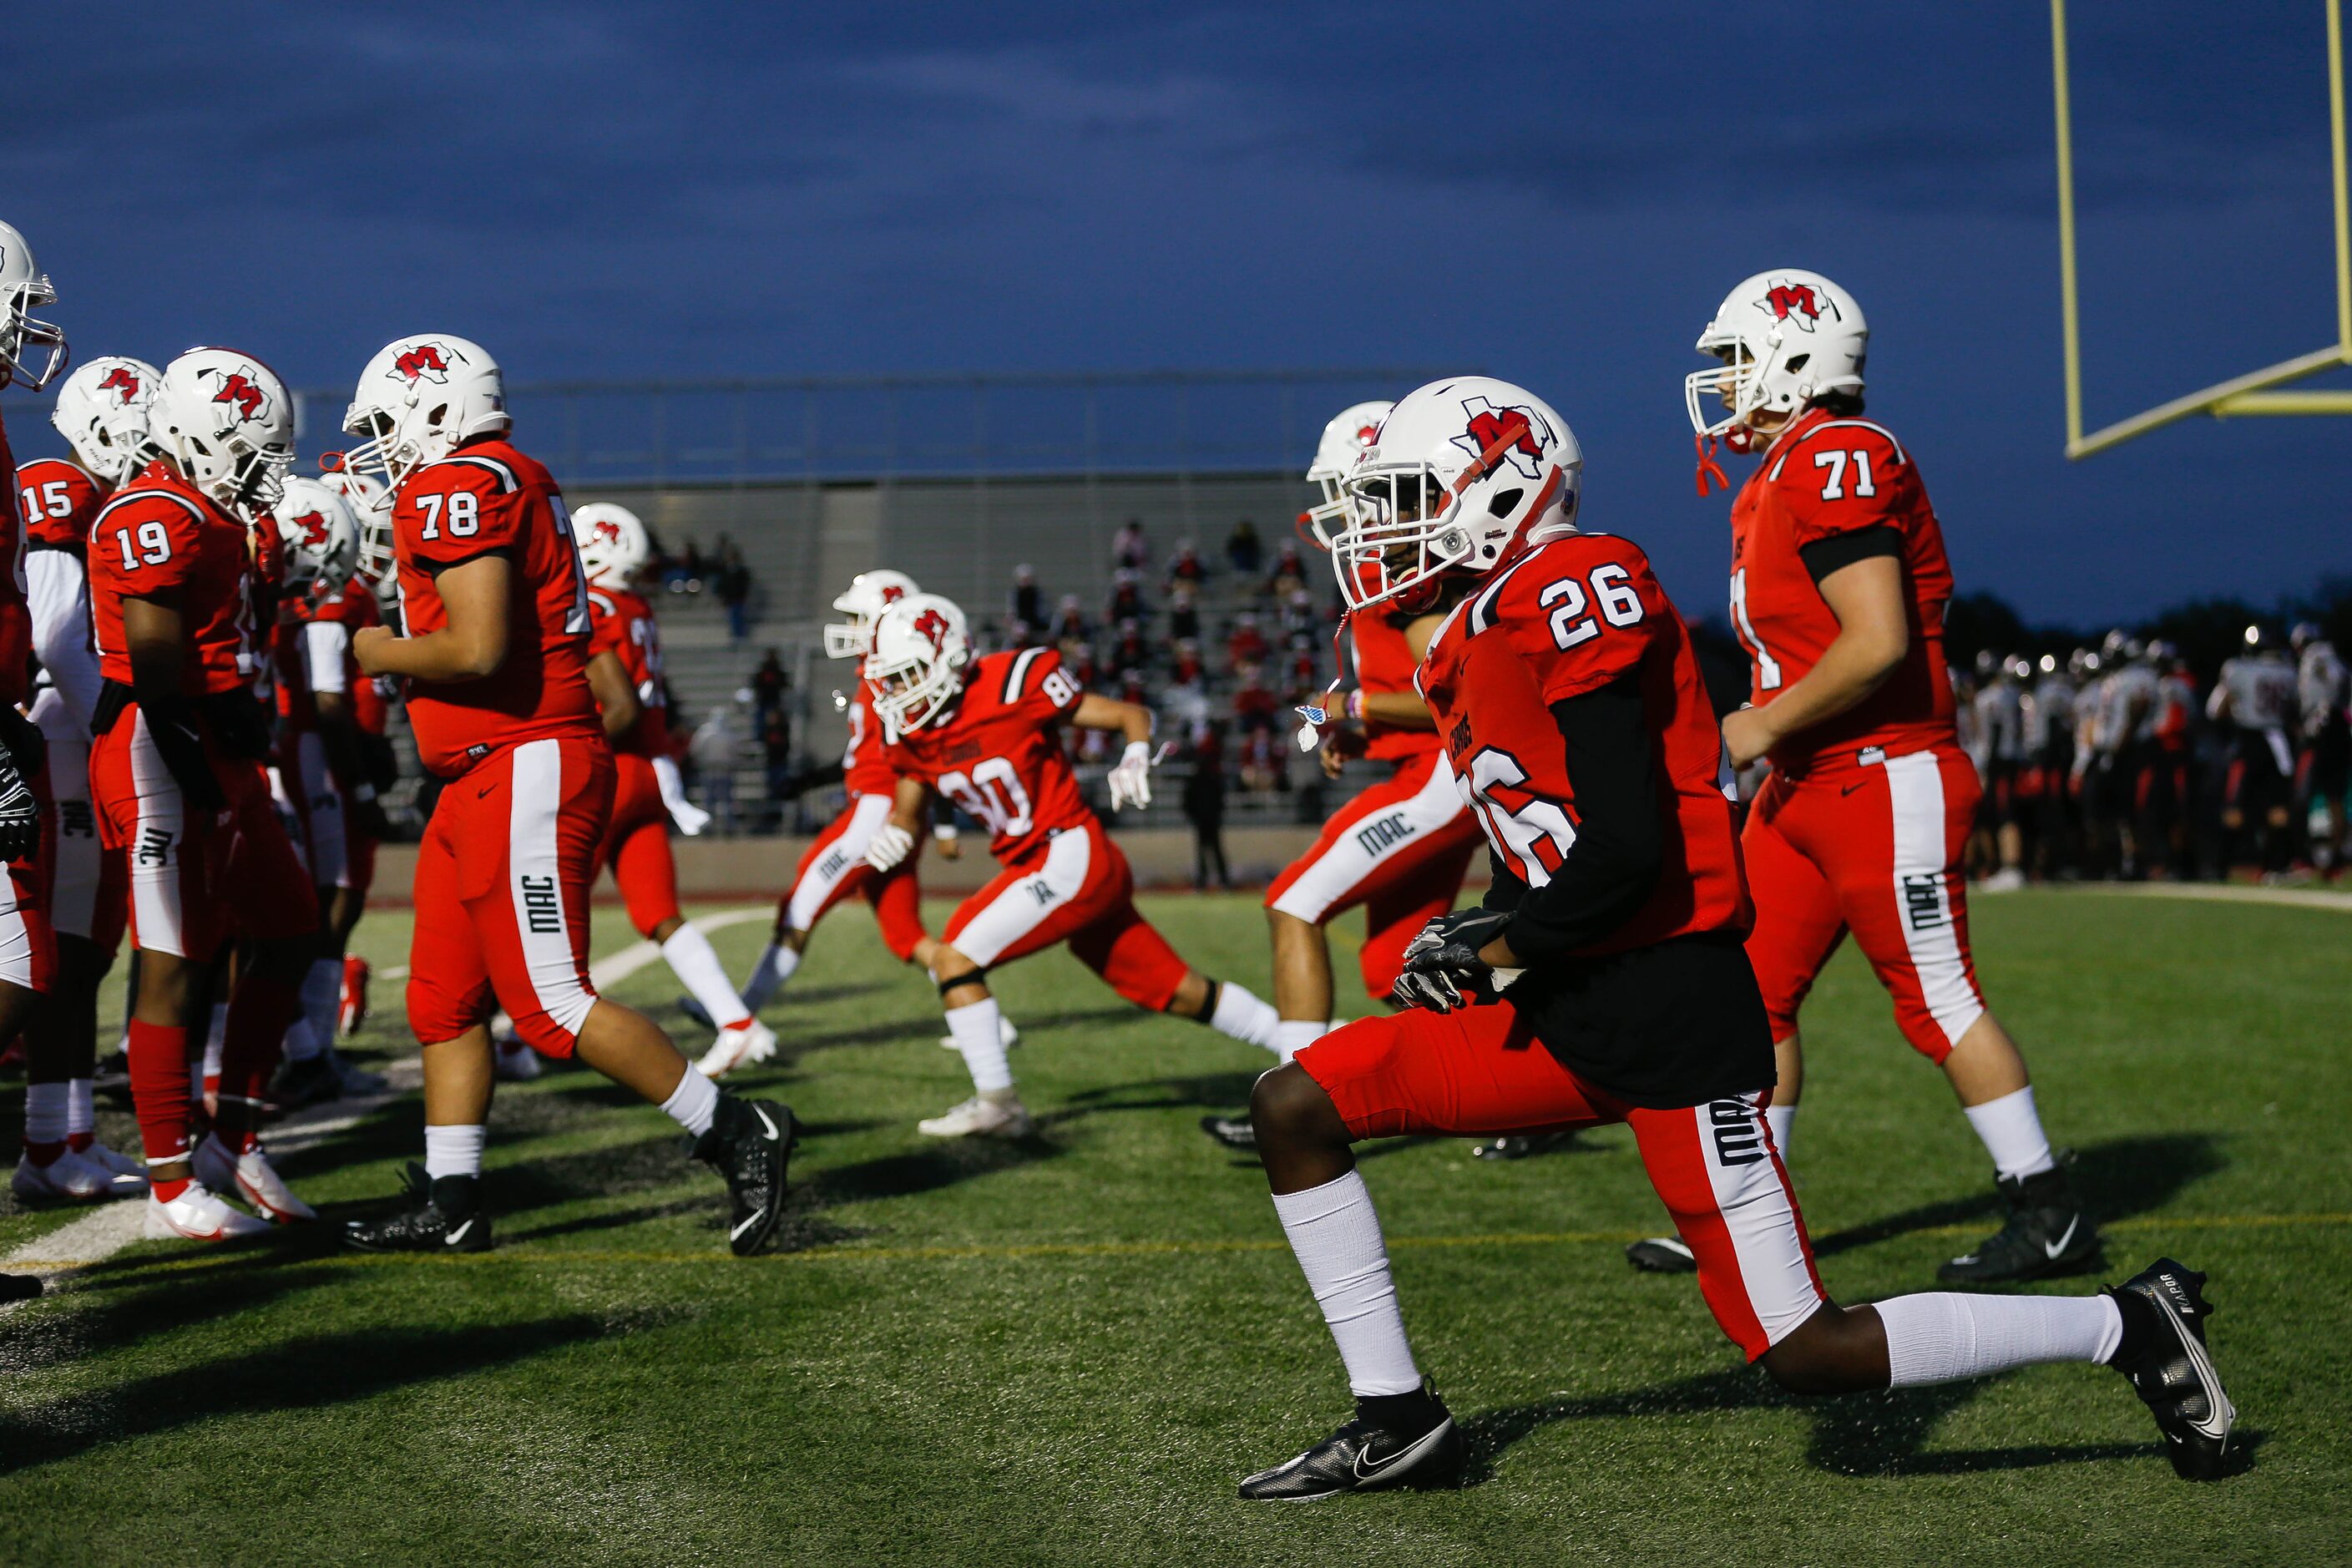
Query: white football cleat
x,y
980,1118
514,1062
749,1041
72,1175
198,1214
99,1154
1006,1032
251,1177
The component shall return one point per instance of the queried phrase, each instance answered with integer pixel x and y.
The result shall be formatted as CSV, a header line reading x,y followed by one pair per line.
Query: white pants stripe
x,y
1354,859
1753,1196
1026,904
841,858
320,808
156,849
1915,787
535,882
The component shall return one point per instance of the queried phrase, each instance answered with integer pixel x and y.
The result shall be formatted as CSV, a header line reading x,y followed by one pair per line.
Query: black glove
x,y
20,813
1442,970
173,731
27,746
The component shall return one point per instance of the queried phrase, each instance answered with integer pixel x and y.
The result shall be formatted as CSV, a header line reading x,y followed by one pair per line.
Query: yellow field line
x,y
1130,1249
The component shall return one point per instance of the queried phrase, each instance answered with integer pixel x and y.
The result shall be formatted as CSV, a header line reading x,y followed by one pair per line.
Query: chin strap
x,y
1709,468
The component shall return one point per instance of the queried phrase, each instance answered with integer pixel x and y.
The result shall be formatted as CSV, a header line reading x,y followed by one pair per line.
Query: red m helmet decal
x,y
1787,299
606,530
315,532
122,379
934,625
237,388
425,360
893,594
1489,426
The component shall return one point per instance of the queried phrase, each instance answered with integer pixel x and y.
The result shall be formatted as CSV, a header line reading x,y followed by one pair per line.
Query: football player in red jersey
x,y
1605,978
1839,581
834,866
369,599
102,412
177,775
494,650
1400,847
624,671
986,733
28,954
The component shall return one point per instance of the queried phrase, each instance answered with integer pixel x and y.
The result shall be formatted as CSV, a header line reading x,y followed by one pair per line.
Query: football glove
x,y
20,813
1442,970
890,844
1131,781
182,751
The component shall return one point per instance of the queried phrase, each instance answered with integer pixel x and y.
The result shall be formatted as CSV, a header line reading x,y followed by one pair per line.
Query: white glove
x,y
691,819
1130,782
890,844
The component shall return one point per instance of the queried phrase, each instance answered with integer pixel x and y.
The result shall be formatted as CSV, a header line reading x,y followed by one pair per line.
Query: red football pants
x,y
1081,892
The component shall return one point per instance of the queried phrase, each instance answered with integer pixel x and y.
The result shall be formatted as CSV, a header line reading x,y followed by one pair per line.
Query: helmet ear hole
x,y
1797,362
1505,502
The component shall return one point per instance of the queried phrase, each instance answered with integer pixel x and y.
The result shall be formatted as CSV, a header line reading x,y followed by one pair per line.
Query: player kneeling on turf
x,y
1606,980
986,734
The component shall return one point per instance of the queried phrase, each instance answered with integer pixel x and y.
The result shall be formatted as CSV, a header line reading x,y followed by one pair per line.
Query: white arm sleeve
x,y
323,646
58,592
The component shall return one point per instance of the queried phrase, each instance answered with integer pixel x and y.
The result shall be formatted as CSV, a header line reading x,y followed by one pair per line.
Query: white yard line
x,y
107,1229
2203,892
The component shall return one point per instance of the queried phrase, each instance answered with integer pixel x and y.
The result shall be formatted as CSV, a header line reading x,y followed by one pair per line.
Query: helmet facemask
x,y
853,639
1409,526
914,691
20,331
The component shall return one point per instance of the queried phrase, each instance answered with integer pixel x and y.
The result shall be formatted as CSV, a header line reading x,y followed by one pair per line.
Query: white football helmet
x,y
417,399
225,419
1352,430
322,539
103,411
916,666
1785,338
371,506
23,286
869,593
614,545
1461,476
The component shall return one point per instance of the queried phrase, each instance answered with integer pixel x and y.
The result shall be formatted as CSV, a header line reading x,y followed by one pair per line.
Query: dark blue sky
x,y
1559,194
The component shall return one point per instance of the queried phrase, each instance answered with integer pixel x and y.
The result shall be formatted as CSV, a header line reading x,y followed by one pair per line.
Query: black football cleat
x,y
750,1144
1238,1133
19,1287
1662,1255
1522,1146
2164,1357
445,1215
1374,1452
313,1081
2048,1233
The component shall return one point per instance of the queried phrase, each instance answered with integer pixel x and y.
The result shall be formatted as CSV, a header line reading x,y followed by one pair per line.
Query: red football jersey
x,y
488,497
1384,662
159,535
621,624
1569,617
56,500
356,608
998,754
1824,477
16,619
864,769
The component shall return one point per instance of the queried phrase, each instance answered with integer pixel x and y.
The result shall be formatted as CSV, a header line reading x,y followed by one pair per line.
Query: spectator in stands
x,y
1070,621
1183,616
1184,566
1130,652
1026,605
768,685
689,569
1205,806
1298,617
718,743
1254,703
1243,553
1246,645
1186,697
1306,670
776,754
732,583
1289,572
1125,598
1128,551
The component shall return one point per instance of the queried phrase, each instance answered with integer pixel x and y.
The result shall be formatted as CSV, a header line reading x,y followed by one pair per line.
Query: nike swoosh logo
x,y
1852,787
1410,1450
757,1216
2053,1248
457,1236
774,1136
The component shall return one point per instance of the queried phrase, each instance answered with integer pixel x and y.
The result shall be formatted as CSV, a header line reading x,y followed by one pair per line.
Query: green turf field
x,y
1068,1351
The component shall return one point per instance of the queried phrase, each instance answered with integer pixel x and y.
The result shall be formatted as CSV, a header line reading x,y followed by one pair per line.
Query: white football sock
x,y
1243,1018
975,1027
693,1103
1942,1337
81,1111
322,998
2012,1131
302,1041
45,1113
1782,1120
688,953
776,964
1336,1233
1292,1035
454,1151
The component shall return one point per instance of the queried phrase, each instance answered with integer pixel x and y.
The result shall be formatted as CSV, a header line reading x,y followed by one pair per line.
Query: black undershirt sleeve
x,y
1609,871
1839,551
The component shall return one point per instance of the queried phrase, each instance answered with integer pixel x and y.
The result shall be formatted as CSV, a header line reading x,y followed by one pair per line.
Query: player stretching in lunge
x,y
625,672
1838,585
1400,847
986,734
1606,978
496,652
